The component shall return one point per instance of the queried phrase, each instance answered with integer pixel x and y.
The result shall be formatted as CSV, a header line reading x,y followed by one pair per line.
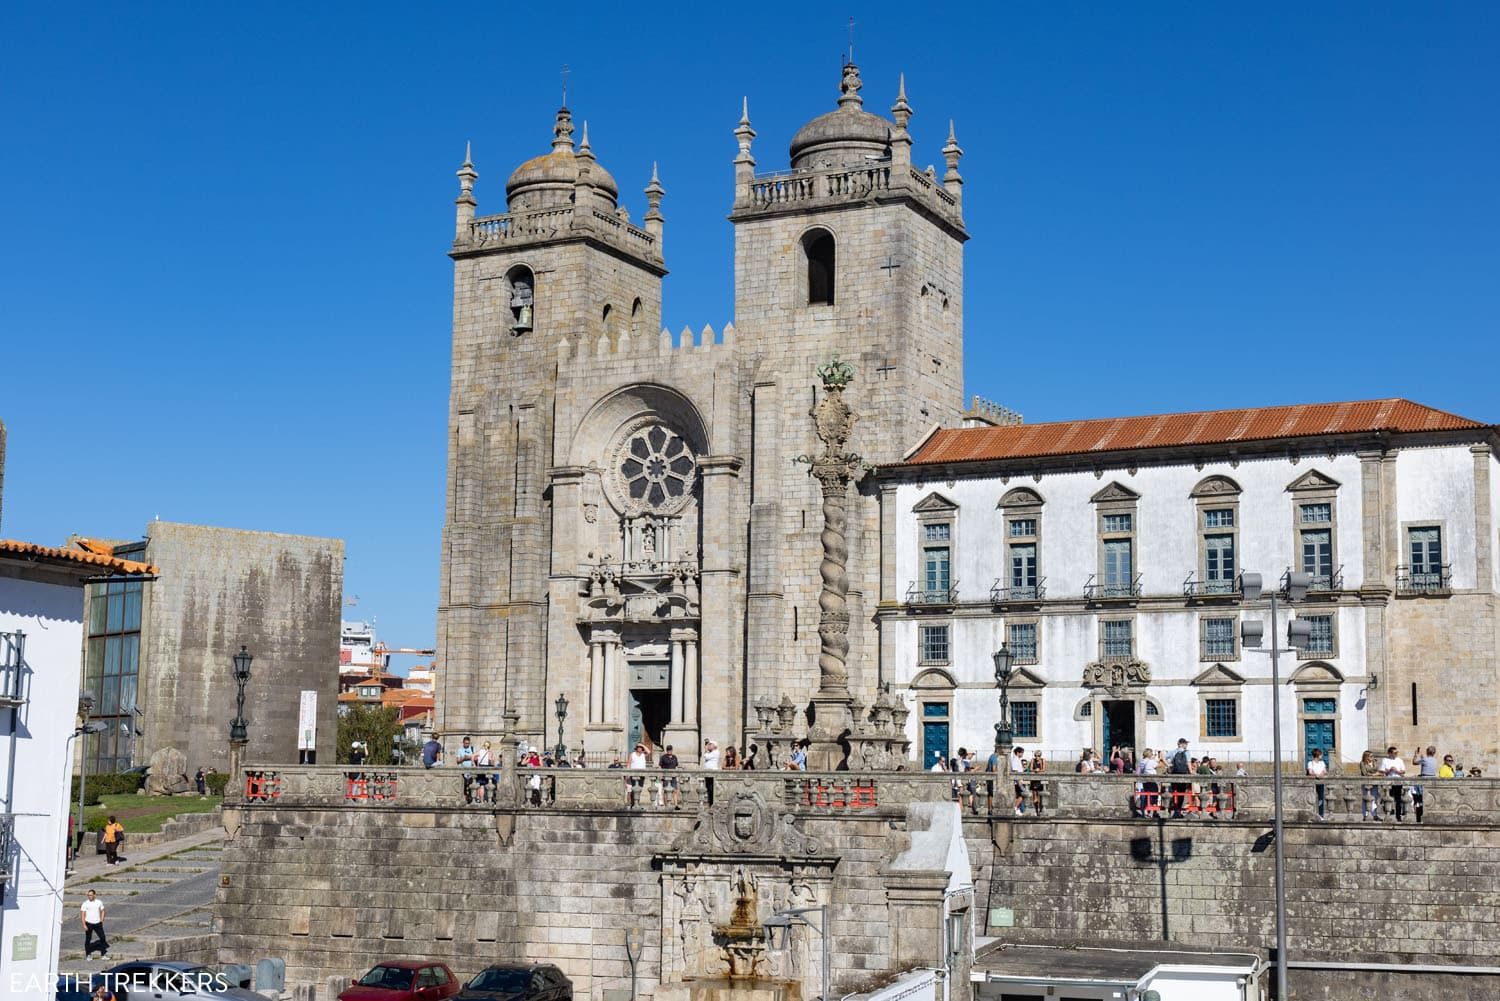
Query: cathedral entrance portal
x,y
650,712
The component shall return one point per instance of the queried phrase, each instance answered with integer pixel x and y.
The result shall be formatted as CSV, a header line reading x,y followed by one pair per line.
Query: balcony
x,y
12,673
932,596
1324,582
1200,590
1111,590
1424,580
1026,595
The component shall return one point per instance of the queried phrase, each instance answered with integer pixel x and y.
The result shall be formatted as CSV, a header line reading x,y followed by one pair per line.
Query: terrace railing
x,y
1064,796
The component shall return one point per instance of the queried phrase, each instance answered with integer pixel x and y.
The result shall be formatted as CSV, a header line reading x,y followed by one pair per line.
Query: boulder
x,y
168,773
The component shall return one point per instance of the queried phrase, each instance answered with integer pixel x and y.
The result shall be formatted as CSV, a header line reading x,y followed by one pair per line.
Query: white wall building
x,y
1107,555
41,636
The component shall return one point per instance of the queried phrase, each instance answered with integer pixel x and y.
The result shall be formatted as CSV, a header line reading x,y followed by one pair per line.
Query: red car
x,y
404,980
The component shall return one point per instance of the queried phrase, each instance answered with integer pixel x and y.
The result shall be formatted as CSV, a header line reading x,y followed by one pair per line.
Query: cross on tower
x,y
851,39
565,84
890,266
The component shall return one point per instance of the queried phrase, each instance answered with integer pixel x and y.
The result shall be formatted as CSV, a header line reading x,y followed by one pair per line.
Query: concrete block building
x,y
1107,555
157,654
626,524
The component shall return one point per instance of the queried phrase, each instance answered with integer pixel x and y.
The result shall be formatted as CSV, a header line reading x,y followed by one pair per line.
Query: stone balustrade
x,y
489,231
843,184
1113,798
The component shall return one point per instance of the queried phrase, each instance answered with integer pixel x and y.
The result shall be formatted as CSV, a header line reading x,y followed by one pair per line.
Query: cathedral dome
x,y
846,135
548,180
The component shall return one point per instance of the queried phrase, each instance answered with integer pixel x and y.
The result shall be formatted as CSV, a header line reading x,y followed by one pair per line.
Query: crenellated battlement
x,y
626,344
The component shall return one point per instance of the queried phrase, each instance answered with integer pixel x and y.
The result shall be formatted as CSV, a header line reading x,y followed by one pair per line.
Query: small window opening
x,y
818,246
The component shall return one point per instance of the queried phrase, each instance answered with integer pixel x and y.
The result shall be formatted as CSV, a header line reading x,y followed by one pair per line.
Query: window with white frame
x,y
1116,512
1021,577
937,559
1315,533
933,644
1424,544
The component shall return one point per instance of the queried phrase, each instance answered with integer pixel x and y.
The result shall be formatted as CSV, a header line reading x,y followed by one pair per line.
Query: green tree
x,y
378,728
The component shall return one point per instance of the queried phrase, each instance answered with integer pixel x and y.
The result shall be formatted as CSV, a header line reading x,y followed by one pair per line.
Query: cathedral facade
x,y
627,523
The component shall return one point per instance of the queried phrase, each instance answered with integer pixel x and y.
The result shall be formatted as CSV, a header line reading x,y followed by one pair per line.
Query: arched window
x,y
818,246
635,317
522,298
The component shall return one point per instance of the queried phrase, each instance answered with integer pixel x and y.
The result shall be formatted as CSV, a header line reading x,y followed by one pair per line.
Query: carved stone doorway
x,y
1117,726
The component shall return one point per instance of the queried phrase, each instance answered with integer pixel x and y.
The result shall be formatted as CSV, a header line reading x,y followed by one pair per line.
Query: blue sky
x,y
224,295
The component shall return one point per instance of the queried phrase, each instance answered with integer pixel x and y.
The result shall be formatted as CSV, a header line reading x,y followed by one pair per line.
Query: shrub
x,y
216,782
108,784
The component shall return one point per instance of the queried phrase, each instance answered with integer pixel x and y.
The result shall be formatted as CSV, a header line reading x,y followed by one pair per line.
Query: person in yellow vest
x,y
114,836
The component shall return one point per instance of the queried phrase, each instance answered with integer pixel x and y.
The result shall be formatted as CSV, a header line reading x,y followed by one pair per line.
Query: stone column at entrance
x,y
605,734
682,731
596,682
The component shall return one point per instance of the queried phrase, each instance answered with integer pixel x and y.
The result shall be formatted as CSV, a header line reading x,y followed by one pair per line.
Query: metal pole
x,y
83,775
1281,990
823,933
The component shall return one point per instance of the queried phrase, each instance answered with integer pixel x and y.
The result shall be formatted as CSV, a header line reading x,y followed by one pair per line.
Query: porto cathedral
x,y
628,525
678,533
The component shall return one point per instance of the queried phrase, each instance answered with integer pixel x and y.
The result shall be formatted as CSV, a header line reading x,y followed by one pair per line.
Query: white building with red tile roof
x,y
1106,555
41,634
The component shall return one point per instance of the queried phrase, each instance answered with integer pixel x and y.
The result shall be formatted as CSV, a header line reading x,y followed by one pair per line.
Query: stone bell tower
x,y
854,252
561,269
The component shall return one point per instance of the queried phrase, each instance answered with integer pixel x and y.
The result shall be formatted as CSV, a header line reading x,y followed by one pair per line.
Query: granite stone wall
x,y
279,596
334,887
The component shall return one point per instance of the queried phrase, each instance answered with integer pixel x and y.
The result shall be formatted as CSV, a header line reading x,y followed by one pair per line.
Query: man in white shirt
x,y
1017,766
1391,766
710,764
1317,768
91,914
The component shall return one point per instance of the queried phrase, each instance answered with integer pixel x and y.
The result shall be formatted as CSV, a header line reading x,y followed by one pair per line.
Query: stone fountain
x,y
743,939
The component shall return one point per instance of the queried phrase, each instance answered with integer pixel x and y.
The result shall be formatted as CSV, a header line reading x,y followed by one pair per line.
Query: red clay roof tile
x,y
80,555
1208,427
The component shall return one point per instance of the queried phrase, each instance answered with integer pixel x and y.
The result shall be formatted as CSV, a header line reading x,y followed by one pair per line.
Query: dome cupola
x,y
551,179
846,136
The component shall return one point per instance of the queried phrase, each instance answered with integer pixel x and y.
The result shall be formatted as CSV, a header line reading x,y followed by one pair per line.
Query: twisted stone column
x,y
833,611
834,469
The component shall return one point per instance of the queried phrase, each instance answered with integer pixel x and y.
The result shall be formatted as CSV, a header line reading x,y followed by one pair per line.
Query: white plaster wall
x,y
1437,484
51,616
1166,639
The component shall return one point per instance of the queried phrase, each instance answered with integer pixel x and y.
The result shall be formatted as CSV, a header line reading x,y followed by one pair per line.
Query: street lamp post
x,y
238,728
1005,667
779,925
1298,631
560,753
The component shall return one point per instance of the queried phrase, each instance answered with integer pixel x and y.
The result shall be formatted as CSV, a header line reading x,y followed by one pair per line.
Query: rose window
x,y
657,467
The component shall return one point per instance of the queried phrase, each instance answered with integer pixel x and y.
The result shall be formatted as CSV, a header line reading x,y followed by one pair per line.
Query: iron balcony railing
x,y
1000,593
1324,581
1111,590
932,595
1424,579
1195,588
12,675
